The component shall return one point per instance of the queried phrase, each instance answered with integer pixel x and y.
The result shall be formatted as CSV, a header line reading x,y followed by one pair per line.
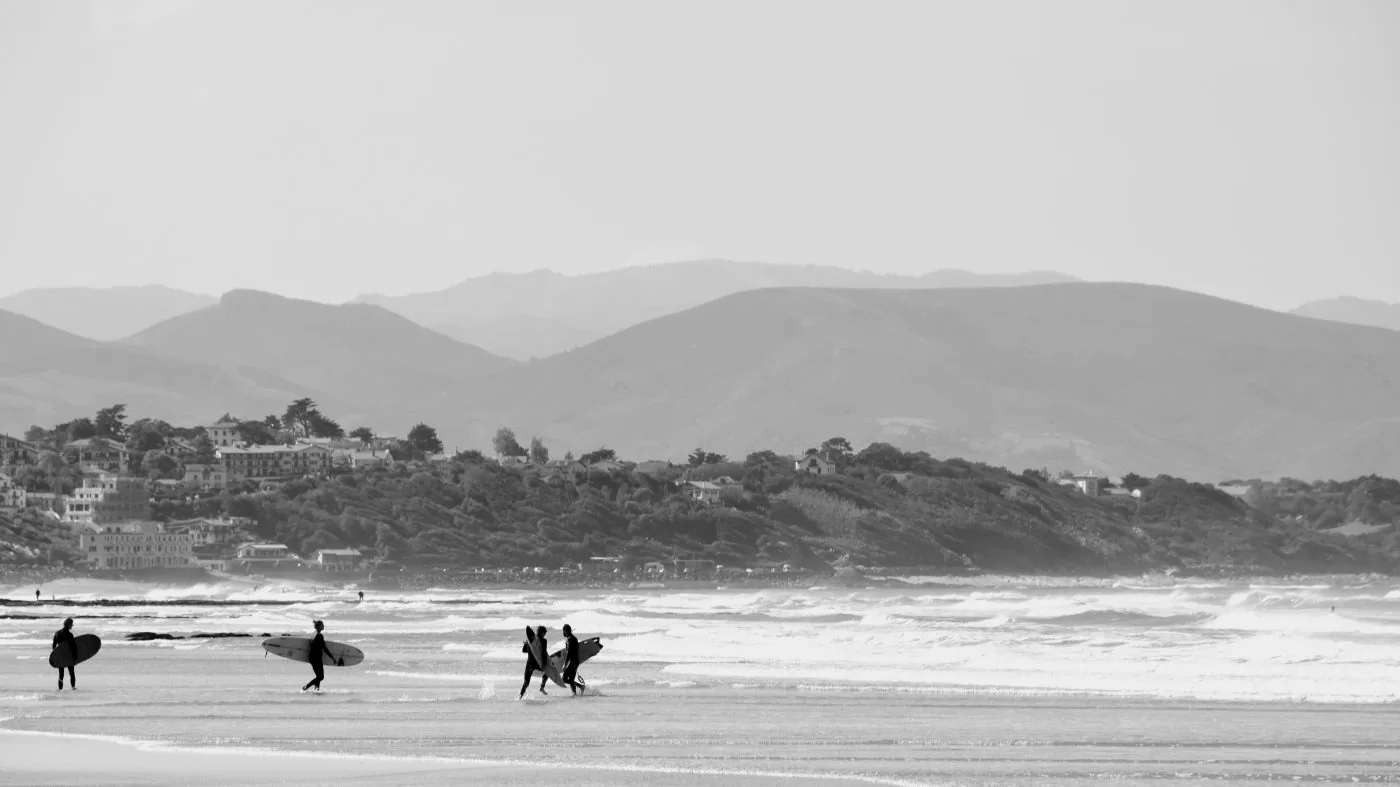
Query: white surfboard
x,y
299,649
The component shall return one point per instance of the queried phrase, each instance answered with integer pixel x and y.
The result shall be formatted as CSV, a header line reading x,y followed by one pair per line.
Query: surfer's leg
x,y
60,679
529,673
72,679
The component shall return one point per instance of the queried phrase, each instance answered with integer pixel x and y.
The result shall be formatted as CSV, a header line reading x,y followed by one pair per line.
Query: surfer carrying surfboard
x,y
65,636
571,660
318,646
531,664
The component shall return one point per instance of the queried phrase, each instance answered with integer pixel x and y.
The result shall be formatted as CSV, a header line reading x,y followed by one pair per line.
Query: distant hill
x,y
1358,311
104,313
48,376
1118,377
367,365
542,313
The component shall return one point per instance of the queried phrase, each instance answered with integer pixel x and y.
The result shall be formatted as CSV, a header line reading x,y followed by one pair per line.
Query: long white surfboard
x,y
299,649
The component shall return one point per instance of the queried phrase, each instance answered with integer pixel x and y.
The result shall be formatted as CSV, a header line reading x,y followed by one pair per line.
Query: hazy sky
x,y
325,149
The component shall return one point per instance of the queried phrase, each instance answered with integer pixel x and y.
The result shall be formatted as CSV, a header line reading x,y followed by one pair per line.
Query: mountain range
x,y
538,314
104,313
1116,377
1358,311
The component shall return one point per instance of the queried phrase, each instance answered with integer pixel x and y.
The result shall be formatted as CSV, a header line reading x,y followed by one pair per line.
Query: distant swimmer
x,y
36,595
362,595
318,646
571,660
531,665
65,635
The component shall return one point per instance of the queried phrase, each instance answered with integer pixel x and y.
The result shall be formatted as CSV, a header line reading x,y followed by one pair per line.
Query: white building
x,y
135,545
205,478
106,498
338,559
265,462
223,434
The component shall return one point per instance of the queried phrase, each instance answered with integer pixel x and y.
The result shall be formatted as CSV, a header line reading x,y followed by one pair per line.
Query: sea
x,y
917,682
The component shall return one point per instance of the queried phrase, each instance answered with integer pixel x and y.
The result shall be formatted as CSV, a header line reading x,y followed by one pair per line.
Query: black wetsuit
x,y
318,646
571,659
65,635
531,666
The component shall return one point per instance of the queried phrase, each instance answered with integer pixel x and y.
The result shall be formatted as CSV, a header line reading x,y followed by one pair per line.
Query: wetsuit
x,y
531,666
65,635
571,662
318,646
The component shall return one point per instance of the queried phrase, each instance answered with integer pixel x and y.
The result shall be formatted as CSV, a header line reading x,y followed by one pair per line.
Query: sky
x,y
1248,149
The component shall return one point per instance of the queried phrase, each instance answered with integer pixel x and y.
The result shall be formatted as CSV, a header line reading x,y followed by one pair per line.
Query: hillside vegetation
x,y
887,508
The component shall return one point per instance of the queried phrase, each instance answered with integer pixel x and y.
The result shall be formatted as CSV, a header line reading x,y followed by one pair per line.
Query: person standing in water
x,y
65,635
531,665
362,595
571,660
318,647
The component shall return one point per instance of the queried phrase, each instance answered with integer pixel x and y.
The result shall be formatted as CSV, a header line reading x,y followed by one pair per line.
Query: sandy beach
x,y
1243,684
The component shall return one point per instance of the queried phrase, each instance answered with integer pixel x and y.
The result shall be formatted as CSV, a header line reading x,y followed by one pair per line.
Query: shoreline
x,y
20,594
45,758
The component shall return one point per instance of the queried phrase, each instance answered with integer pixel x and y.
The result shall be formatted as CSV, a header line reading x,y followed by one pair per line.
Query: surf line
x,y
162,747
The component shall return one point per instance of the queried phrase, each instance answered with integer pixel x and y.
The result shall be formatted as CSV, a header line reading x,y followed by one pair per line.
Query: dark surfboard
x,y
86,646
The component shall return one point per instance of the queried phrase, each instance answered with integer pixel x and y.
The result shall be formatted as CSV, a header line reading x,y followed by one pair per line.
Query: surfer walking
x,y
571,660
531,665
65,635
318,647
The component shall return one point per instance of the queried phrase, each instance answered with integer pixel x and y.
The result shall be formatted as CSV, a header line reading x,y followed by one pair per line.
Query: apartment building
x,y
12,495
205,478
134,545
14,451
223,434
261,462
99,453
106,498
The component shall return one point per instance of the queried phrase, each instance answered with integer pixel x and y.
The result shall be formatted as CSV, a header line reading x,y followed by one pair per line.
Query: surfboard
x,y
550,670
587,649
299,649
86,646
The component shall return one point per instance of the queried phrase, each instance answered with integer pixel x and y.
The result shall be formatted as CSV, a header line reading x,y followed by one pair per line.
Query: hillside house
x,y
338,559
815,464
180,449
99,453
12,495
14,451
1088,483
205,478
510,460
606,465
703,491
223,434
360,460
209,532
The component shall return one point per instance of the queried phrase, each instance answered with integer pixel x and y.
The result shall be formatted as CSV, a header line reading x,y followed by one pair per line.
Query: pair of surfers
x,y
570,676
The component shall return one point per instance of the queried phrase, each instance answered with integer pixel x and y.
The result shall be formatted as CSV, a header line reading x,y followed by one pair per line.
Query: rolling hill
x,y
1118,377
1357,311
48,376
542,313
104,313
363,364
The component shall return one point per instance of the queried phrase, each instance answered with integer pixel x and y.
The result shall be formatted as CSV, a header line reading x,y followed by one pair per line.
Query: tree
x,y
321,426
77,429
763,458
702,457
158,464
539,454
110,422
1133,482
363,433
423,439
204,451
506,444
147,434
300,416
36,434
257,433
1040,475
837,449
601,455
